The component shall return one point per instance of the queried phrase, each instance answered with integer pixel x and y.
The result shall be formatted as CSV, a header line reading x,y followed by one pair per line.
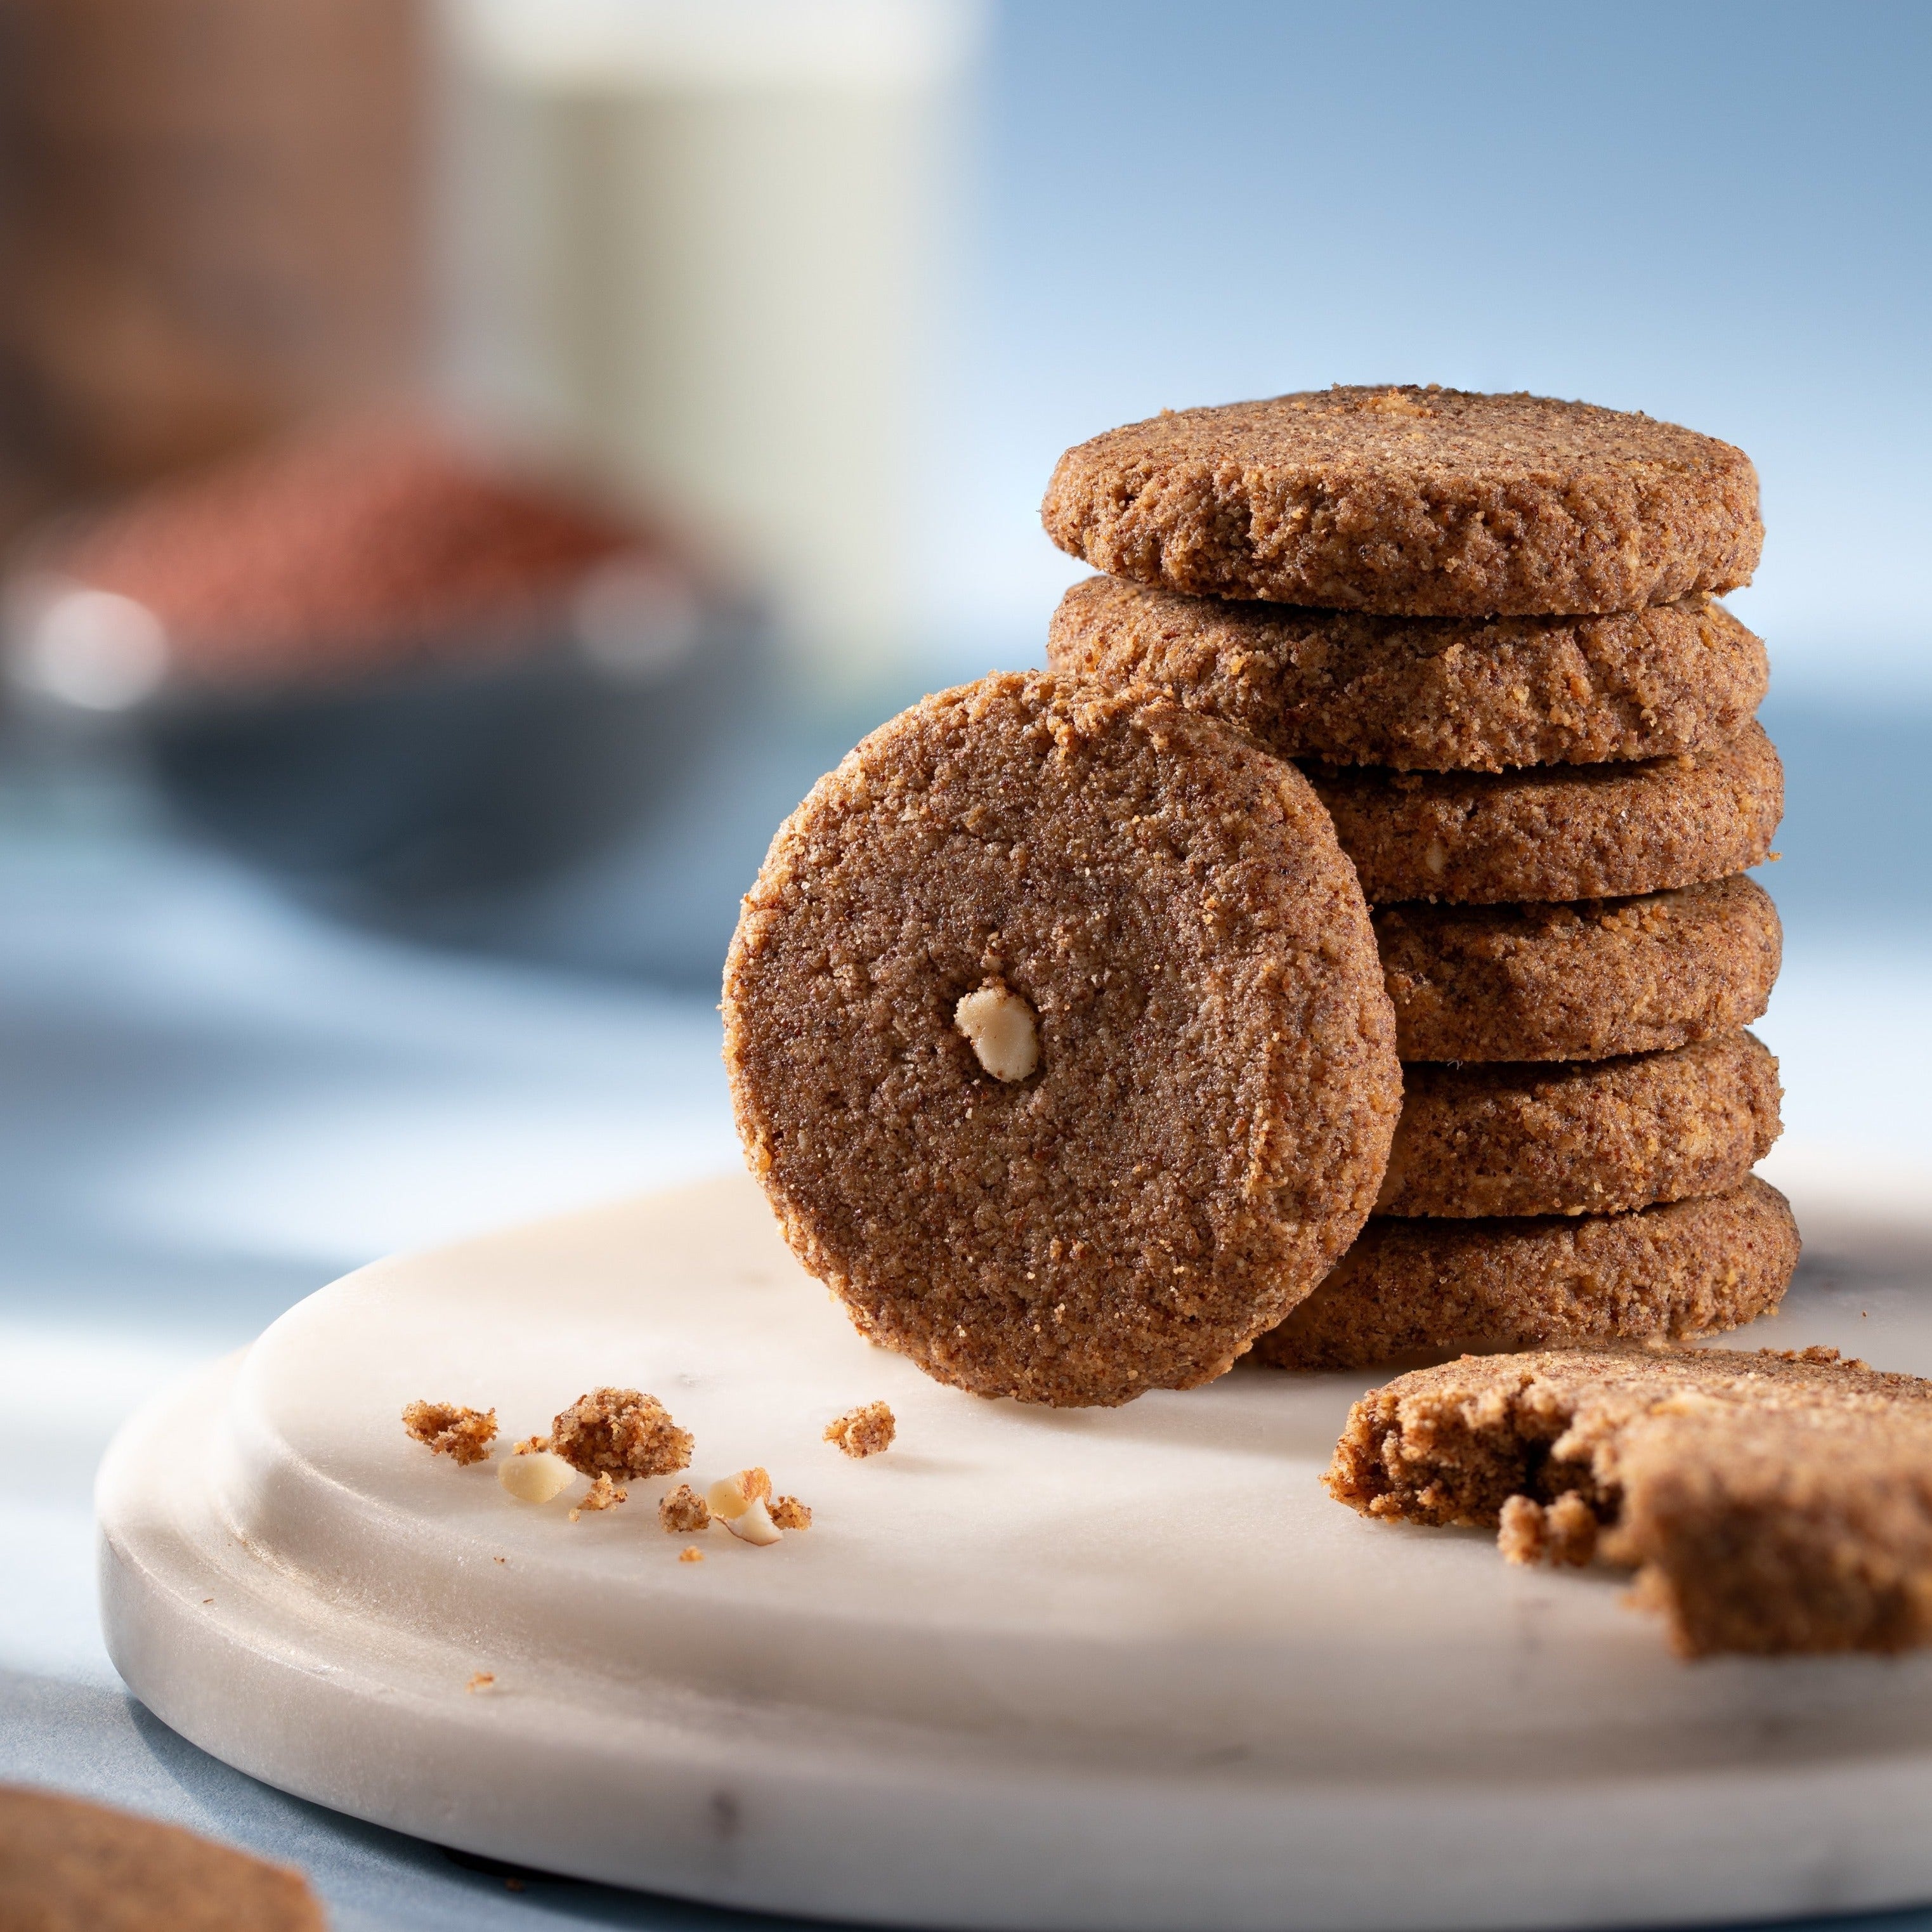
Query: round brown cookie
x,y
1589,1137
1144,919
1683,1268
1578,982
1557,832
1426,694
1417,502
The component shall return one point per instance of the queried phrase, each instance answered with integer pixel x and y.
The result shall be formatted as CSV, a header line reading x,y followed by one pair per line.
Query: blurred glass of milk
x,y
700,243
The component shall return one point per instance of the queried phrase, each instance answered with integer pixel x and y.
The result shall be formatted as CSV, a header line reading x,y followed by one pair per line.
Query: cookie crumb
x,y
620,1432
683,1511
1564,1533
1001,1026
602,1495
481,1681
788,1513
445,1429
864,1431
530,1445
691,1553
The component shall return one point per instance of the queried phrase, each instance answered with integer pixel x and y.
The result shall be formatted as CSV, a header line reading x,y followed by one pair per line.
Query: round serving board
x,y
1031,1668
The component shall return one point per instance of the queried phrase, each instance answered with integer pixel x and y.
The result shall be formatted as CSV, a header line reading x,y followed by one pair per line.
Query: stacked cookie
x,y
1484,626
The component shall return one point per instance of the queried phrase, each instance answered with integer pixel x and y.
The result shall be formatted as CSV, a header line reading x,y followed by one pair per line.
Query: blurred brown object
x,y
343,553
68,1866
211,215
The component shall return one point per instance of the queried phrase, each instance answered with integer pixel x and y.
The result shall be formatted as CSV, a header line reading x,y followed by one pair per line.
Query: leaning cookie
x,y
1413,503
1588,1137
1056,1037
1685,1268
1579,981
1418,694
1557,832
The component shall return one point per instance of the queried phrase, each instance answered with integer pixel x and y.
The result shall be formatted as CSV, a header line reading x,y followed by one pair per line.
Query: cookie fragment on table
x,y
1770,1501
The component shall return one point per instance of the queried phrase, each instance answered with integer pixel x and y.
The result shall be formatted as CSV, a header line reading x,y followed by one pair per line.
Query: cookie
x,y
1685,1267
1581,981
1056,1037
1413,502
1581,1137
1421,693
1557,832
69,1866
1770,1501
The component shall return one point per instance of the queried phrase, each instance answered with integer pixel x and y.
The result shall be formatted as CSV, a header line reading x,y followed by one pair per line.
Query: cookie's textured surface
x,y
1685,1268
1557,832
1419,693
1412,502
1581,981
1217,1085
69,1866
1581,1137
1771,1500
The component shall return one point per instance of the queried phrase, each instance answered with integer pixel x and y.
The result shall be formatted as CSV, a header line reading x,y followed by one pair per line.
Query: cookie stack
x,y
1484,626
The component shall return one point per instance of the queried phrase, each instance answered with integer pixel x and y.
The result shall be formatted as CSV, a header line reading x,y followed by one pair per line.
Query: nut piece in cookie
x,y
1770,1501
741,1503
863,1431
620,1432
1412,502
535,1476
445,1429
1216,1084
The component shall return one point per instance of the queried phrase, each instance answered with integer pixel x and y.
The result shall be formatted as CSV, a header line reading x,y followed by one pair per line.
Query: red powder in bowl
x,y
343,554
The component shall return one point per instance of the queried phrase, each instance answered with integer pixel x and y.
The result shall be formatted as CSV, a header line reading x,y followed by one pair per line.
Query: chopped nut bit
x,y
620,1432
691,1553
1564,1532
999,1025
863,1432
481,1681
445,1429
788,1513
738,1503
530,1445
602,1495
535,1478
684,1510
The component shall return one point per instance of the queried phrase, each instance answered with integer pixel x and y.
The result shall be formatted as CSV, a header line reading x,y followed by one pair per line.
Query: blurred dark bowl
x,y
468,773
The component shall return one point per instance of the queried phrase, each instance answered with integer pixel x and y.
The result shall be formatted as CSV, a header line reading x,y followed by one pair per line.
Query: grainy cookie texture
x,y
1682,1269
1413,503
1418,694
1557,832
1581,981
69,1866
1578,1137
1216,1084
619,1431
1770,1501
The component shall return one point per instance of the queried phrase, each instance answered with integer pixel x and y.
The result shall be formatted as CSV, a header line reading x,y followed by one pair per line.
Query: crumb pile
x,y
1486,627
1770,1501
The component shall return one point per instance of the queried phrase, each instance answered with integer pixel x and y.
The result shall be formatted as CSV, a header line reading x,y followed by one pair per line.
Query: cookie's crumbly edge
x,y
1426,695
1668,1273
1771,1500
788,1513
1584,980
1557,832
448,1428
620,1431
1344,1091
1412,501
682,1511
1591,1137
